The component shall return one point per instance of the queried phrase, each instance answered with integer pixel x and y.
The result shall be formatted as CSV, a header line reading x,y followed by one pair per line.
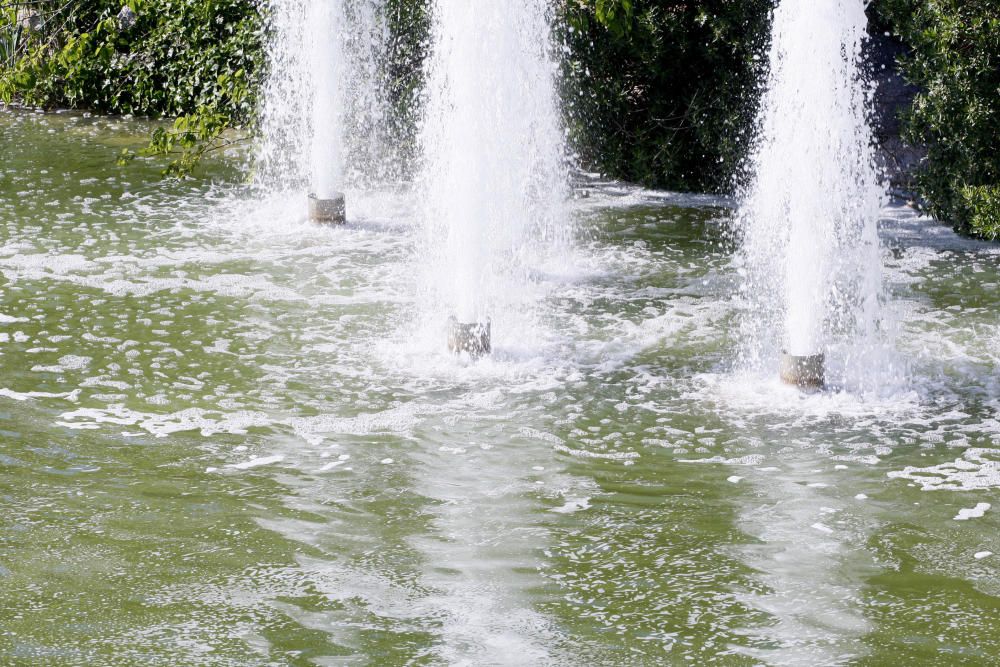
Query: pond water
x,y
221,442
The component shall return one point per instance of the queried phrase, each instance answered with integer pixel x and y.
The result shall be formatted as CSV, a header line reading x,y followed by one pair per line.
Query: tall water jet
x,y
809,220
494,172
325,44
323,99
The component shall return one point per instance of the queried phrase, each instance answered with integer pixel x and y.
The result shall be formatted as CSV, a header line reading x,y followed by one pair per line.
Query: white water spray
x,y
324,98
494,171
325,46
809,220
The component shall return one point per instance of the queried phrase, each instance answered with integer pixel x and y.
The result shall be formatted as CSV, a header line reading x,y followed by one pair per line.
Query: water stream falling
x,y
811,254
324,41
494,175
324,99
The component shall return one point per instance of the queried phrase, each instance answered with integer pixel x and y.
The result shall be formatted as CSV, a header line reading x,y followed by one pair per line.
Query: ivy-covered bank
x,y
661,92
199,61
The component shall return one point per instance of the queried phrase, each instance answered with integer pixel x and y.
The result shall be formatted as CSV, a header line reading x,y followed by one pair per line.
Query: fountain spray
x,y
810,242
494,171
324,102
325,37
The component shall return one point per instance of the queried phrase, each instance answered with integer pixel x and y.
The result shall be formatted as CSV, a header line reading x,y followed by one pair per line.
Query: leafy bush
x,y
955,59
664,92
980,206
199,60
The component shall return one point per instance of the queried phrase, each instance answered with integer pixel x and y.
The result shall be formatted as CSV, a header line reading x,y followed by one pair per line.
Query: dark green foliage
x,y
955,59
179,56
664,92
979,208
199,60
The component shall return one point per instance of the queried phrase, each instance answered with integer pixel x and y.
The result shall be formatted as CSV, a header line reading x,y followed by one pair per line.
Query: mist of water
x,y
494,177
811,255
324,98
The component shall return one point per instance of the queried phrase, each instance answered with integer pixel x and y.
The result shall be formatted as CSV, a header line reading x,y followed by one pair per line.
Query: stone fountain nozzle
x,y
803,371
473,338
331,211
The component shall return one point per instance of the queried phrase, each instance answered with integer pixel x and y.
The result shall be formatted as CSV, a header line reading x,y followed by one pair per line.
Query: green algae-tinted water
x,y
221,445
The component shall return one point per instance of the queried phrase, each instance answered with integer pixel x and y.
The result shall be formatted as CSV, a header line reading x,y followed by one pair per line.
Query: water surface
x,y
228,438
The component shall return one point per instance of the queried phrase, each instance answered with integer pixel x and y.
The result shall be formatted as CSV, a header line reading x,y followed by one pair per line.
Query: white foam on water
x,y
21,396
163,425
257,462
977,512
401,421
977,469
758,394
749,460
70,362
572,505
313,430
607,456
326,467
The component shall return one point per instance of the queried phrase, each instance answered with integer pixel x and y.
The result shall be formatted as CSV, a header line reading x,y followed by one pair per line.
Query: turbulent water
x,y
221,445
811,256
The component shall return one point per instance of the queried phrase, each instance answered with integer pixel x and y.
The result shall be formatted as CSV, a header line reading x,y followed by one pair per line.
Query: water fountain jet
x,y
809,220
325,36
494,174
324,103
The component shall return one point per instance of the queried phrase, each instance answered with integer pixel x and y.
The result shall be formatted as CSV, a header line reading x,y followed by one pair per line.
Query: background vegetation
x,y
955,60
661,92
664,92
198,61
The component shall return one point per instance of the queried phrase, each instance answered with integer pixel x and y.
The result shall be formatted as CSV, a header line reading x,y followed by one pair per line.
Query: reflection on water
x,y
226,438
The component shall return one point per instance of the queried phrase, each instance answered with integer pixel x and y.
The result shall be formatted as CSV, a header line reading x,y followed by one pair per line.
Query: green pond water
x,y
222,444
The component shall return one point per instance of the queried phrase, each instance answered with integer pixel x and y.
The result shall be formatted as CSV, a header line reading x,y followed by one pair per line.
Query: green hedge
x,y
665,92
955,59
199,61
